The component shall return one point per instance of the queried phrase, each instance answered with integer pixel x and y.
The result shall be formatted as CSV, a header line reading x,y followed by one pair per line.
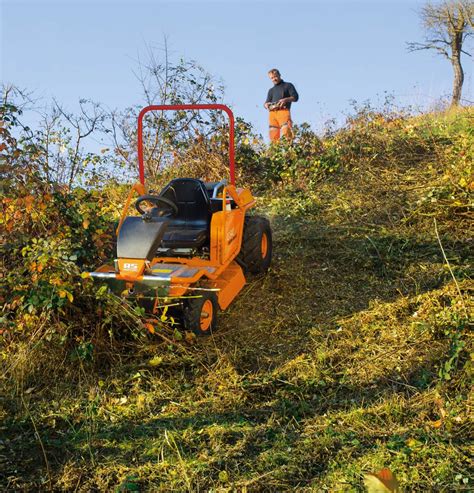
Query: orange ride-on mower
x,y
191,246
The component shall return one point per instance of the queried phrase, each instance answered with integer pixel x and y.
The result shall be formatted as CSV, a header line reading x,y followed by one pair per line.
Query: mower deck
x,y
166,280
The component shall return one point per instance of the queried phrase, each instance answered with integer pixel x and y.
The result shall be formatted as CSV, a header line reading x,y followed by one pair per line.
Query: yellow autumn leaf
x,y
374,485
383,481
223,476
141,401
155,361
85,275
412,443
85,223
66,294
164,317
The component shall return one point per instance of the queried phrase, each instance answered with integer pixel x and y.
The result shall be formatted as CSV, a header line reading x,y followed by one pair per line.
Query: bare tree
x,y
57,147
166,81
447,25
82,125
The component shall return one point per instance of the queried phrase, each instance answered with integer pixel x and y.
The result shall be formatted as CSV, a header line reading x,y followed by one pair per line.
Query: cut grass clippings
x,y
352,354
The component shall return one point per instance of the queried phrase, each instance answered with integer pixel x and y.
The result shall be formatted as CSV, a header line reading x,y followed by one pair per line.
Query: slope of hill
x,y
352,354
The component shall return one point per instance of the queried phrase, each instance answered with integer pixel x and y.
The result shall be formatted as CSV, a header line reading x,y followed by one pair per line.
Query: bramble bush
x,y
299,163
51,233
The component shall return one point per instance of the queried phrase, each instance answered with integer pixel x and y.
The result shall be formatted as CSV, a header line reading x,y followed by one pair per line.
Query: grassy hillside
x,y
352,354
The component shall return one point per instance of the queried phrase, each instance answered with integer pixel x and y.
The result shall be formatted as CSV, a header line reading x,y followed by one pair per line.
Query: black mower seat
x,y
189,228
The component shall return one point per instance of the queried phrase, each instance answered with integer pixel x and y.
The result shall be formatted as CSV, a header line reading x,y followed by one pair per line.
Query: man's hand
x,y
283,102
267,105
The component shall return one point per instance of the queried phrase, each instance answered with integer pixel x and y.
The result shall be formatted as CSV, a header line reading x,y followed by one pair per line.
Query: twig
x,y
78,482
449,266
258,478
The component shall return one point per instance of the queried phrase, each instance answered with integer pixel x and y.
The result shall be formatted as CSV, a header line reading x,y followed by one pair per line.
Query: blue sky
x,y
333,52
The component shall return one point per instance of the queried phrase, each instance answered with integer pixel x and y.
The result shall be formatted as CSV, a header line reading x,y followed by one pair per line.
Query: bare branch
x,y
83,126
164,81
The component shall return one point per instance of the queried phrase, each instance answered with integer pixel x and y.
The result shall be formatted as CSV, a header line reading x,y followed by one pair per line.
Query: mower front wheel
x,y
256,251
200,313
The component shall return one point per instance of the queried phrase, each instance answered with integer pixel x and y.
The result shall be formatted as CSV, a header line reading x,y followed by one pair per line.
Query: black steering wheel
x,y
167,208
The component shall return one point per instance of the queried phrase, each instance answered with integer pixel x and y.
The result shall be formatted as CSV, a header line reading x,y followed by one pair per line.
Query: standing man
x,y
278,103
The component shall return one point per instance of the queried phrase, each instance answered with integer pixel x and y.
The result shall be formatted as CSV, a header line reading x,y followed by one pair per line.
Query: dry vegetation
x,y
352,354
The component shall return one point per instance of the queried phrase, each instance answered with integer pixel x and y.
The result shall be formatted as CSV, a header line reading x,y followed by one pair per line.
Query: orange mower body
x,y
192,249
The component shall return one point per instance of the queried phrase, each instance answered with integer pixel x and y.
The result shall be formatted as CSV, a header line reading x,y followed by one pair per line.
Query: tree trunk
x,y
458,71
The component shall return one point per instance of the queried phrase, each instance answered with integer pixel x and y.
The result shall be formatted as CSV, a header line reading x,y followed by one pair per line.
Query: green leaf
x,y
223,477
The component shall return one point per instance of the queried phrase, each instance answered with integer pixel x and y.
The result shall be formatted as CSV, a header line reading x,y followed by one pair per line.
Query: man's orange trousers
x,y
280,125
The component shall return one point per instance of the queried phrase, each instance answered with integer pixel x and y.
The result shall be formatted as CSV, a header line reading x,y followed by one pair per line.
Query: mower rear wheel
x,y
200,313
256,251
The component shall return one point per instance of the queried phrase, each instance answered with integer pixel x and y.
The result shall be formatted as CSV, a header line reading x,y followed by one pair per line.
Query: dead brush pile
x,y
352,354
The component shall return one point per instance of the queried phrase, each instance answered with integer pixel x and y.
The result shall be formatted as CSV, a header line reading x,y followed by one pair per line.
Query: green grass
x,y
352,354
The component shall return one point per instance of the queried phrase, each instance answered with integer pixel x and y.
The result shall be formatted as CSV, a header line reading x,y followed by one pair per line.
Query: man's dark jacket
x,y
282,90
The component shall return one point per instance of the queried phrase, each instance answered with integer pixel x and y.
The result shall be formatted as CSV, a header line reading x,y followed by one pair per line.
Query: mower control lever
x,y
217,187
167,208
